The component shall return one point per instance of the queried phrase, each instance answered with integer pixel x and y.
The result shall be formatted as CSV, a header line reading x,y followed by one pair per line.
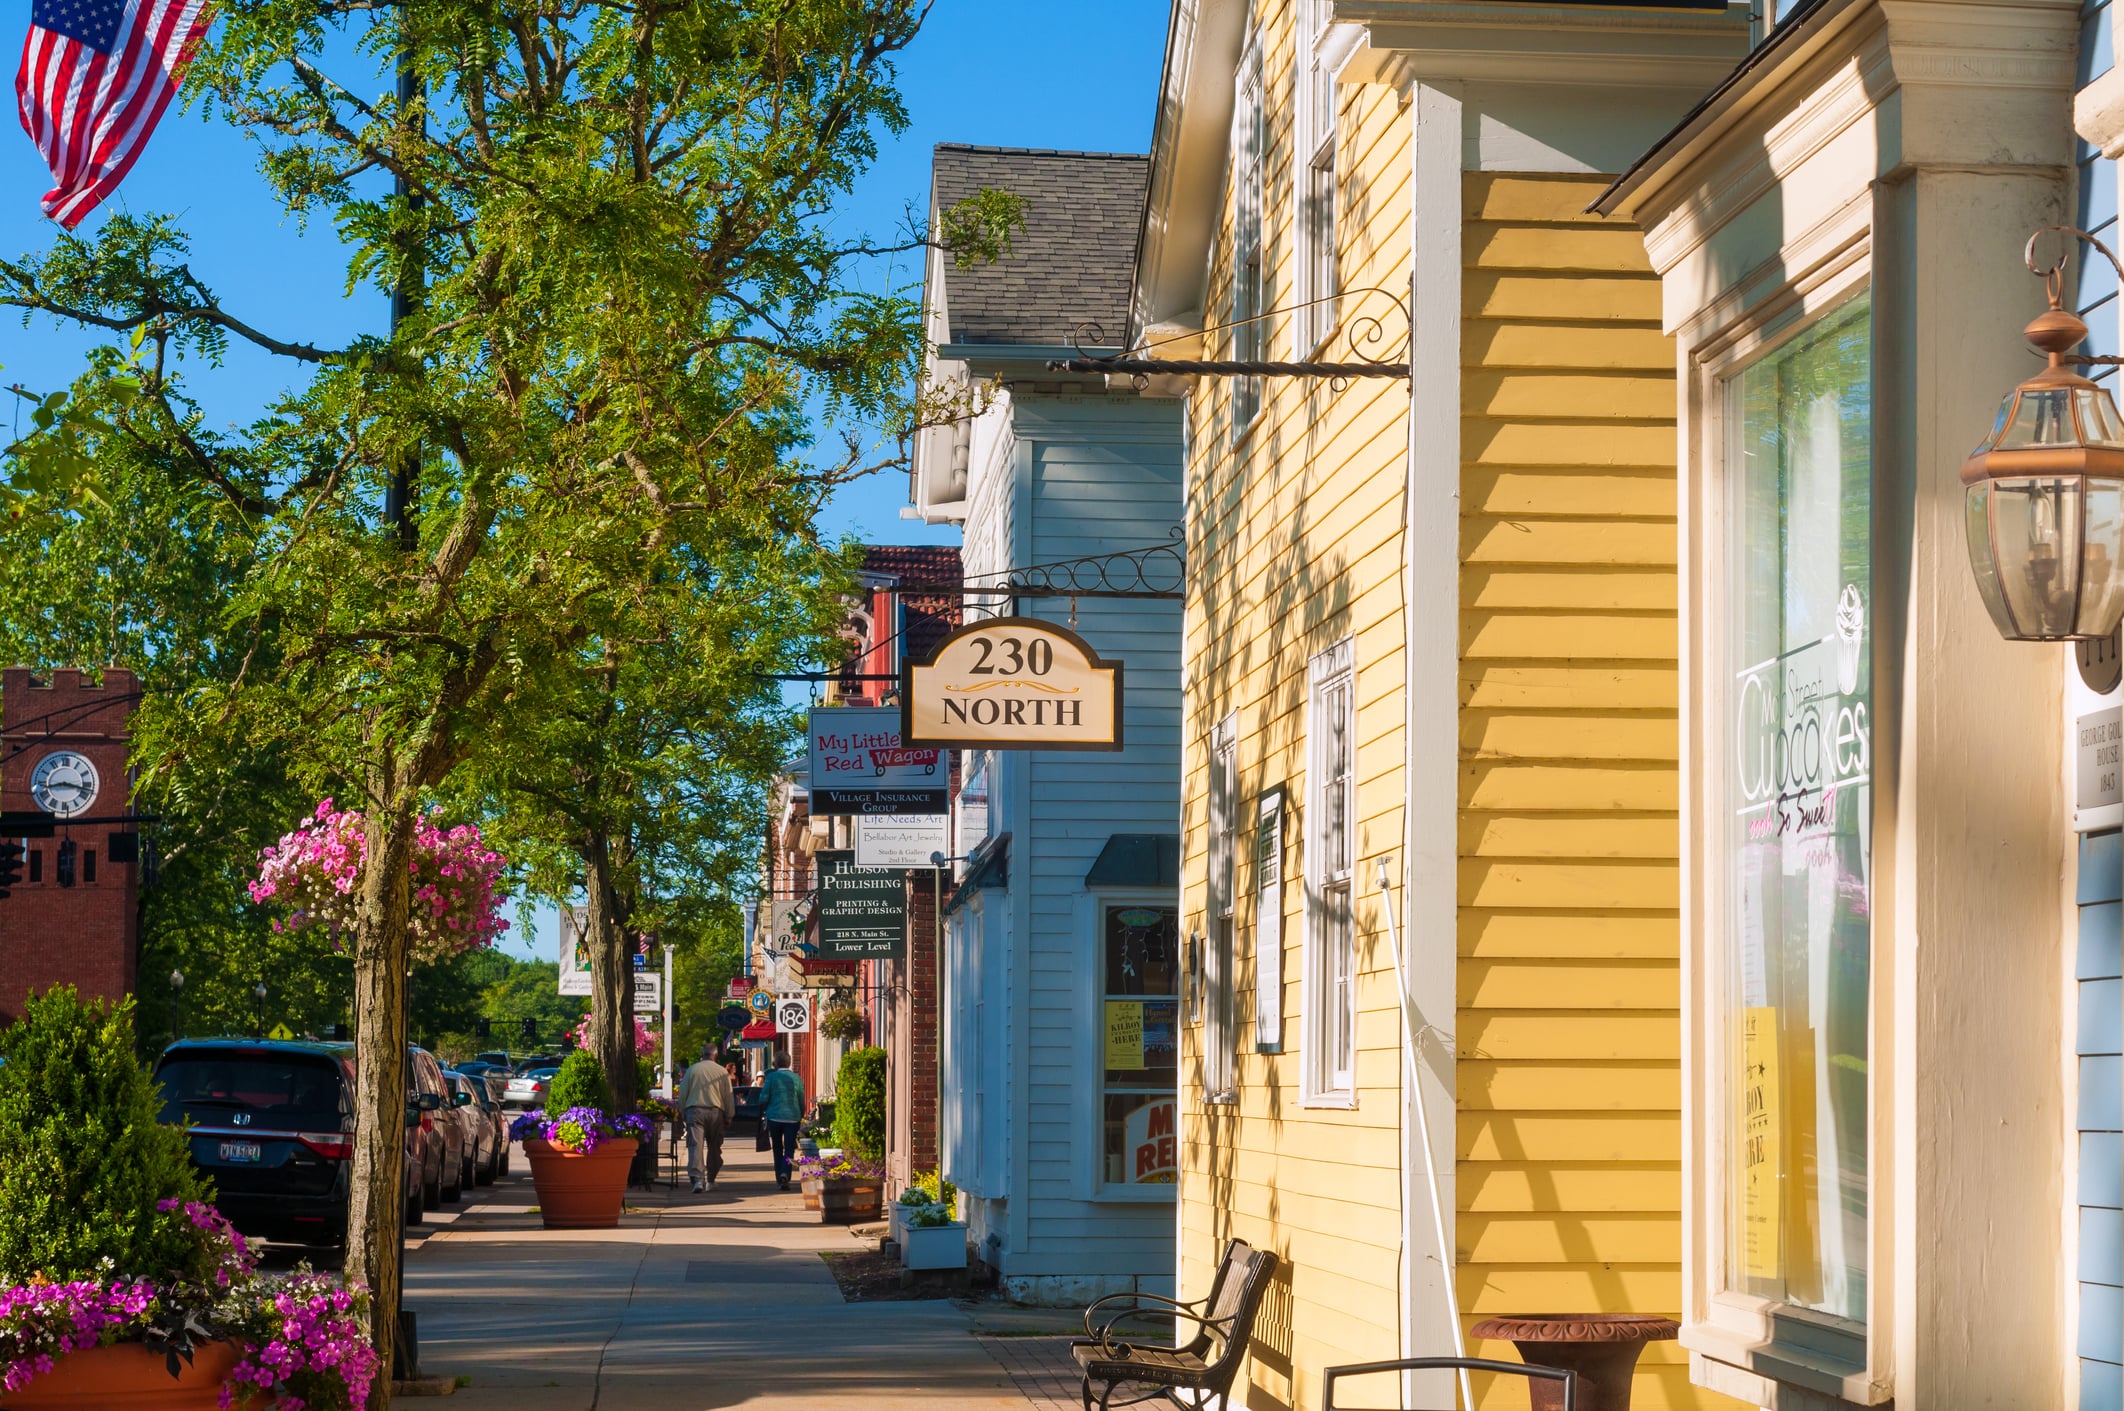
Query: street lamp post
x,y
259,991
177,1003
670,1078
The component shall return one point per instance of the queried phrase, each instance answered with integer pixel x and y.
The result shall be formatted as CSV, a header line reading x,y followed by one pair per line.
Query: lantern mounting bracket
x,y
2053,277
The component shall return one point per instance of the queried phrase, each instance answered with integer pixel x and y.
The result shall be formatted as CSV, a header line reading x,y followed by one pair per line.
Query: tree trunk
x,y
611,975
375,1210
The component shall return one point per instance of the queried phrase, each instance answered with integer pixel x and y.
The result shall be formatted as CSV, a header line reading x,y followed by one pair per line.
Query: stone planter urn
x,y
580,1190
934,1246
127,1377
1602,1348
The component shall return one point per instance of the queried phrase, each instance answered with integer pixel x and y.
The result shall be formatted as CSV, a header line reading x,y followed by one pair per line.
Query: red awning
x,y
758,1029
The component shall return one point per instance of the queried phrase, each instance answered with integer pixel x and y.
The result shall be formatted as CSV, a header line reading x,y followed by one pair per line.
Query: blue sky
x,y
1080,76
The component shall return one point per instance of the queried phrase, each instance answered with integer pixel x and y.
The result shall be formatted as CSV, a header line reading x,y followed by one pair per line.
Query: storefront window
x,y
1142,1045
1798,849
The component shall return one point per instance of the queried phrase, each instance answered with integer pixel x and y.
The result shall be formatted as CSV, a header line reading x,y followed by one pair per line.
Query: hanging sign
x,y
760,1003
575,950
862,910
792,1014
902,840
1013,683
859,765
648,992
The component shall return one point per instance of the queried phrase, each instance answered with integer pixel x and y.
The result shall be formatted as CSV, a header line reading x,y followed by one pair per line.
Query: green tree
x,y
614,217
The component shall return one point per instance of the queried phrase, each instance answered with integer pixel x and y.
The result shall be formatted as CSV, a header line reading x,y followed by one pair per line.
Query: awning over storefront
x,y
758,1029
1137,860
988,867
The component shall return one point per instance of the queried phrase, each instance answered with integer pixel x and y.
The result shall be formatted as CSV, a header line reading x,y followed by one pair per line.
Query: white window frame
x,y
1776,1341
1315,189
1247,334
1220,1026
1328,1024
1089,922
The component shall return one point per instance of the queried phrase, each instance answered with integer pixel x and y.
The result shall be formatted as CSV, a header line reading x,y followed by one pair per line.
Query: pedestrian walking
x,y
783,1112
707,1099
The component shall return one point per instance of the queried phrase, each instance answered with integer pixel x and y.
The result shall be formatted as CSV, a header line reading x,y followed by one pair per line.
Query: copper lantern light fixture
x,y
2044,493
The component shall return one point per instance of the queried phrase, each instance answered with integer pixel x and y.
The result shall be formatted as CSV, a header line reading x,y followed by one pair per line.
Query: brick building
x,y
65,781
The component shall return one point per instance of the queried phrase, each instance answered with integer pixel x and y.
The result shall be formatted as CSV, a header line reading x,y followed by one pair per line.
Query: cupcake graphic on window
x,y
1850,629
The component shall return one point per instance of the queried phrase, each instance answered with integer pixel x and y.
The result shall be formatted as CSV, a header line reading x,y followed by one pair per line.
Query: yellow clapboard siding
x,y
1568,1087
1596,835
1591,249
1559,298
1490,687
1525,1187
1576,788
1518,1037
1562,198
1552,1238
1521,983
1567,443
1492,540
1532,636
1522,933
1612,396
1493,343
1642,494
1494,1290
1499,735
1631,885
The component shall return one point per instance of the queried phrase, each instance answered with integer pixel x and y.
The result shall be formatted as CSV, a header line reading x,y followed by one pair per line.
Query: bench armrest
x,y
1219,1328
1139,1299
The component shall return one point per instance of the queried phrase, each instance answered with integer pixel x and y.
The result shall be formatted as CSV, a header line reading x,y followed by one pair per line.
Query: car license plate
x,y
239,1151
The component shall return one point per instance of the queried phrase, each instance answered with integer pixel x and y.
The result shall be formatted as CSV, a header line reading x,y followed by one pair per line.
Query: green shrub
x,y
939,1191
84,1158
579,1083
859,1103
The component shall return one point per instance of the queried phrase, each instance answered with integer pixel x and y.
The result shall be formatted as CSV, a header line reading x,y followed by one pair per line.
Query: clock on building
x,y
64,784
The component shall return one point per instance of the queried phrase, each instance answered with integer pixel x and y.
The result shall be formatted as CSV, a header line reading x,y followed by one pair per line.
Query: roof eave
x,y
1188,142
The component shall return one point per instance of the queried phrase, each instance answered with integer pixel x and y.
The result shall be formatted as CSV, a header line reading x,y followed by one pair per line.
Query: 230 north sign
x,y
1012,683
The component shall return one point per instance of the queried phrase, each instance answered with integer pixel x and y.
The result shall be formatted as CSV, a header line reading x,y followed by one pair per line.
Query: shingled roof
x,y
1074,260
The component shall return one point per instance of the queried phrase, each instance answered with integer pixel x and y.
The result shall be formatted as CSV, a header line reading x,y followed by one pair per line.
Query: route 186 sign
x,y
1012,683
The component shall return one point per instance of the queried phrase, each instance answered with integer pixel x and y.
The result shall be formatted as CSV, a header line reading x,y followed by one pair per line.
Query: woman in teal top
x,y
783,1095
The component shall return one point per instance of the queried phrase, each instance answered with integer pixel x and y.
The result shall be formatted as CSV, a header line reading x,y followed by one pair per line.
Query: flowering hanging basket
x,y
127,1376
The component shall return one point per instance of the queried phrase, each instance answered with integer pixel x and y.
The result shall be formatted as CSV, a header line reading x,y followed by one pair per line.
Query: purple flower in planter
x,y
579,1129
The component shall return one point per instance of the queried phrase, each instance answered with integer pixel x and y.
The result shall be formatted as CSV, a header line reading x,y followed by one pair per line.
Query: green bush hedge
x,y
579,1083
84,1158
859,1103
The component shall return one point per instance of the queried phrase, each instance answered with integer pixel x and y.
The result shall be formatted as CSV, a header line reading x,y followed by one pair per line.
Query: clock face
x,y
64,784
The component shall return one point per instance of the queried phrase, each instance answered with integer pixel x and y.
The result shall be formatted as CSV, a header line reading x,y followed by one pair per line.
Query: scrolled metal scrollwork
x,y
1370,337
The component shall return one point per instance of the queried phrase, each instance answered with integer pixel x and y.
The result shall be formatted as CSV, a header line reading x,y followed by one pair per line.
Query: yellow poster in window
x,y
1124,1034
1761,1160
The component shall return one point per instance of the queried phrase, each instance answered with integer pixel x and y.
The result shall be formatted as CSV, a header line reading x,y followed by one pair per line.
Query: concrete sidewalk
x,y
695,1302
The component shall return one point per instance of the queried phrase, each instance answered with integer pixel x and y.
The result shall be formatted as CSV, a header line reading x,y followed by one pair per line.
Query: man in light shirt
x,y
709,1102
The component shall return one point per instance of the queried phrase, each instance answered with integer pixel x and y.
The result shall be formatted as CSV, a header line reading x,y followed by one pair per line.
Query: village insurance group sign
x,y
1012,683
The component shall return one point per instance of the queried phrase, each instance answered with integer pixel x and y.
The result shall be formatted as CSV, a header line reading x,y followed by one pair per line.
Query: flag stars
x,y
92,22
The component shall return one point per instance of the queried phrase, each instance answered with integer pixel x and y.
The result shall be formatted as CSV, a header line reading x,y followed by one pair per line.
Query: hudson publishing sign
x,y
862,910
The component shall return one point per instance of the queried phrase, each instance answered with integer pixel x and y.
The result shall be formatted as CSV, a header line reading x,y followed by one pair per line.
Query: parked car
x,y
488,1133
425,1085
528,1088
273,1124
480,1068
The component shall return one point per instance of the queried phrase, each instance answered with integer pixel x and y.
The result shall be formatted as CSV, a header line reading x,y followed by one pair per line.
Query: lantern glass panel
x,y
2031,523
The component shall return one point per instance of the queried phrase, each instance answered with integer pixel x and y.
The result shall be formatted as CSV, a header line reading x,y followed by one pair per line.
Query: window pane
x,y
1141,1064
1799,826
1341,982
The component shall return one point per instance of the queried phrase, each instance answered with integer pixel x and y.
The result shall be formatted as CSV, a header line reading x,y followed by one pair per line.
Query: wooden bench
x,y
1194,1374
1444,1364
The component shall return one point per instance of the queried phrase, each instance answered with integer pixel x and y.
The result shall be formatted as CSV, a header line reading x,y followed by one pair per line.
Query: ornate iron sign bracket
x,y
1378,341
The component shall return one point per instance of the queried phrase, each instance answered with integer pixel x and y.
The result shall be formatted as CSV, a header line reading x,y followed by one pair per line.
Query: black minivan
x,y
272,1122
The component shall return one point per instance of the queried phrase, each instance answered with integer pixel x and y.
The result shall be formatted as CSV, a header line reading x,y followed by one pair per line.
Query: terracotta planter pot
x,y
1602,1348
127,1377
577,1190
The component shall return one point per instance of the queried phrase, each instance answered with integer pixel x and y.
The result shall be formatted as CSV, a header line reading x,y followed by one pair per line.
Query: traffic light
x,y
529,1029
10,864
486,1028
67,851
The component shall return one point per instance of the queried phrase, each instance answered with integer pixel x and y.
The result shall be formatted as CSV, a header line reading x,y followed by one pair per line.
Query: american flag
x,y
95,77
